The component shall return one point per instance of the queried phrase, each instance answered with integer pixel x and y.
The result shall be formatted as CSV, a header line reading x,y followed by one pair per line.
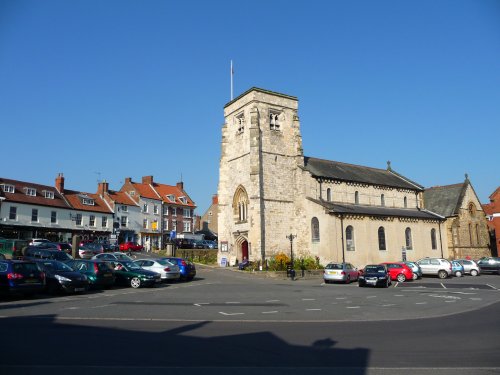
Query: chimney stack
x,y
102,188
60,183
180,186
215,199
128,180
147,180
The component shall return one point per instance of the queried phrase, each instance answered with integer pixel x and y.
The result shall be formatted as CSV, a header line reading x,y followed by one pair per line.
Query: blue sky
x,y
113,89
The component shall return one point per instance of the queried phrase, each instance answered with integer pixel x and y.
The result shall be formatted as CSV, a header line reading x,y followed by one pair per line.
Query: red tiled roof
x,y
74,198
145,190
165,190
39,199
121,197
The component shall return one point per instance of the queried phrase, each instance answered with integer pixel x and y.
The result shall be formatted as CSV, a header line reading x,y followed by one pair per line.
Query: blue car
x,y
24,277
187,268
457,268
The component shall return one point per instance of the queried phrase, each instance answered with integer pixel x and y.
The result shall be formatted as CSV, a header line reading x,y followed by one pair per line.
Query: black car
x,y
17,276
375,275
62,278
36,252
489,265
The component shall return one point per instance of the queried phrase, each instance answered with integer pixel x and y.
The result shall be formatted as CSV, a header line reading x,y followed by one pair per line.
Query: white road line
x,y
308,299
229,314
273,300
420,303
97,307
371,297
389,304
443,286
232,303
399,295
313,309
352,307
71,308
199,304
341,298
449,301
269,312
475,299
491,286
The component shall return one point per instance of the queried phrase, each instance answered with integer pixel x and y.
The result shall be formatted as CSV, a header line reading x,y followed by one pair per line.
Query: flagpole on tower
x,y
232,72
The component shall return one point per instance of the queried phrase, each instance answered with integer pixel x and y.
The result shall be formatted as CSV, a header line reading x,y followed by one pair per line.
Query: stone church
x,y
270,192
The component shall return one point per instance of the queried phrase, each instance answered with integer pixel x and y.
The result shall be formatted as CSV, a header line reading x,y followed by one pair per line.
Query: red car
x,y
130,246
399,271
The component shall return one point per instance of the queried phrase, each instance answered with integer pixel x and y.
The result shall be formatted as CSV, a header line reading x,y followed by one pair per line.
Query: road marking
x,y
352,307
234,303
475,299
421,303
308,299
273,300
313,309
97,307
371,297
269,312
449,301
229,314
443,296
443,286
199,304
341,298
399,295
389,304
71,308
491,286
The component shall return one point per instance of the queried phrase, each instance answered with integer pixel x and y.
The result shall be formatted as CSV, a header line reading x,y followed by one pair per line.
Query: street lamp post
x,y
292,270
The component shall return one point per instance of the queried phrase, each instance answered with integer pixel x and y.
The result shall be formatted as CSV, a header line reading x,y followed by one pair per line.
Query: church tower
x,y
259,174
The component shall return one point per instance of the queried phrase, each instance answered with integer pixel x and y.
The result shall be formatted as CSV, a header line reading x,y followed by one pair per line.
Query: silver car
x,y
344,272
167,270
435,266
470,267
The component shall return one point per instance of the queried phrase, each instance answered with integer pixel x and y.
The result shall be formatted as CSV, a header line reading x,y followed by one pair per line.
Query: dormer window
x,y
88,201
183,200
132,193
274,120
171,198
240,123
124,209
48,194
31,192
8,188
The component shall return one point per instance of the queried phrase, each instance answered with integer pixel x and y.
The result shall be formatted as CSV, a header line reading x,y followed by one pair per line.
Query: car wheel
x,y
415,276
348,279
135,282
388,283
401,278
473,272
442,274
458,274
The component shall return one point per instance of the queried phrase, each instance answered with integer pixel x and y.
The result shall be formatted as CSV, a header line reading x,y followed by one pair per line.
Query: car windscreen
x,y
102,266
334,266
374,269
56,266
24,268
165,262
131,265
60,256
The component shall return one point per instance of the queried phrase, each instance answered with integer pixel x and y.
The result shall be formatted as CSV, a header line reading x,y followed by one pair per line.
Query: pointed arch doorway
x,y
244,250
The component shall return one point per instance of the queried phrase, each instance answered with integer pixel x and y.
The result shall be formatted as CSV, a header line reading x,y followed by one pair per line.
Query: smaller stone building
x,y
492,210
466,223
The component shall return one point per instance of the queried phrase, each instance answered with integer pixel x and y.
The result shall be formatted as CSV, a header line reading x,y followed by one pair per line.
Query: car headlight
x,y
62,278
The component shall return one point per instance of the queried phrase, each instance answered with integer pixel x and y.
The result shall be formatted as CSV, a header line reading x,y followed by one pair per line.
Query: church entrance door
x,y
244,250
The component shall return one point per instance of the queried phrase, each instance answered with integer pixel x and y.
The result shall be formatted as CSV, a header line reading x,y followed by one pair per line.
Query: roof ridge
x,y
349,164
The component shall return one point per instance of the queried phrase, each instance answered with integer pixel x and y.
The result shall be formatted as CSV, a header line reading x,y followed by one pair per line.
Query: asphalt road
x,y
225,322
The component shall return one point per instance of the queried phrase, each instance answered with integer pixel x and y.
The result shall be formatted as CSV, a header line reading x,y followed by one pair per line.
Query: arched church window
x,y
274,121
329,195
356,197
315,229
405,202
381,239
433,239
382,200
240,122
240,205
408,240
349,238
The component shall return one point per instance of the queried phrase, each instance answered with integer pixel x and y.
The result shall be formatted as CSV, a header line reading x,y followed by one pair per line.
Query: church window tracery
x,y
315,229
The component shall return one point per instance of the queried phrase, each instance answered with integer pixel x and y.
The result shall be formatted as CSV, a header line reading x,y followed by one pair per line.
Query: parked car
x,y
489,265
184,243
187,268
344,272
99,273
210,244
64,246
166,269
435,266
470,267
457,269
415,268
62,278
12,248
38,241
87,250
37,252
130,273
112,256
24,277
375,275
399,271
130,246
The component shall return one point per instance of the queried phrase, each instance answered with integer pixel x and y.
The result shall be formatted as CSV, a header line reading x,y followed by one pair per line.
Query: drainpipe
x,y
440,240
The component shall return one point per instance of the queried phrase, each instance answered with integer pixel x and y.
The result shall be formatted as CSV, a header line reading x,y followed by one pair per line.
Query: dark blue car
x,y
187,268
23,277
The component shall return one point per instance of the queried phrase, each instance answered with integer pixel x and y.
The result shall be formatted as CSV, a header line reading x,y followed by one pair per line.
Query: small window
x,y
240,123
49,194
34,215
88,201
408,241
274,121
433,239
53,217
381,239
187,212
183,200
145,224
124,208
145,208
104,222
382,200
315,229
8,188
92,221
31,192
174,211
349,238
356,197
187,226
13,213
78,219
155,209
123,221
171,198
405,202
329,195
